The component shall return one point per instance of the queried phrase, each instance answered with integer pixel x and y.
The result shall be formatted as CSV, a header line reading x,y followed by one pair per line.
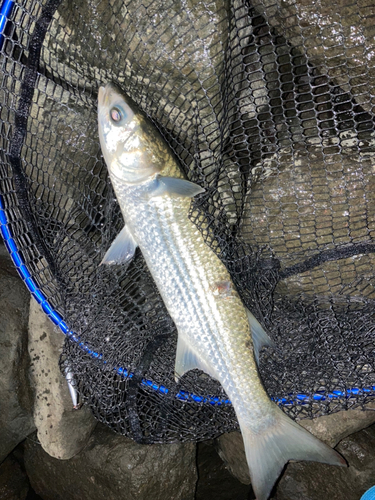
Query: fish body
x,y
216,333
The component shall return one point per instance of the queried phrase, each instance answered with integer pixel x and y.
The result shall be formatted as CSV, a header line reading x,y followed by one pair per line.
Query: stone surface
x,y
231,450
312,481
112,467
331,429
62,430
214,479
16,420
14,484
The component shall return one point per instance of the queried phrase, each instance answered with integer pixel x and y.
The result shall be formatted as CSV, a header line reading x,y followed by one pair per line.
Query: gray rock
x,y
312,481
231,450
62,430
112,467
14,484
331,429
16,421
215,481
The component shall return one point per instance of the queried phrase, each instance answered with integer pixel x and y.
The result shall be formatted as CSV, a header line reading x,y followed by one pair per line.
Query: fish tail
x,y
268,450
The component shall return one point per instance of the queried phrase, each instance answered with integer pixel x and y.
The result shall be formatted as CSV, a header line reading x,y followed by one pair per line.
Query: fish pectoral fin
x,y
269,450
122,249
260,337
187,359
175,187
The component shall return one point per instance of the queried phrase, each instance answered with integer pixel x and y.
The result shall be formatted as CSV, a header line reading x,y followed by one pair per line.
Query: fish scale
x,y
216,333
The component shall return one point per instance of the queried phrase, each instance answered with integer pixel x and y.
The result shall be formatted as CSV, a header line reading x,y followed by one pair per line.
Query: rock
x,y
330,428
14,484
215,481
112,467
312,481
232,452
16,420
62,431
333,428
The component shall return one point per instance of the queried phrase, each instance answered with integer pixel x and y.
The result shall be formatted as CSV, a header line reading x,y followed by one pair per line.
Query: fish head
x,y
132,147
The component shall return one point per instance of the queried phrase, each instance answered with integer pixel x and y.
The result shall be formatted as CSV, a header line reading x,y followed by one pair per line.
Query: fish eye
x,y
117,115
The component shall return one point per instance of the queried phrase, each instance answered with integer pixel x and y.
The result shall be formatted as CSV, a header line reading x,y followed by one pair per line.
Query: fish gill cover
x,y
269,106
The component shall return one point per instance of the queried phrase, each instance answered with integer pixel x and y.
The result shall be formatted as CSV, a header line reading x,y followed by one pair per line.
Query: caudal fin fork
x,y
269,450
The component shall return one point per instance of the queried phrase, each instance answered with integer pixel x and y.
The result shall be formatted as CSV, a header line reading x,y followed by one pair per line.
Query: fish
x,y
216,332
72,388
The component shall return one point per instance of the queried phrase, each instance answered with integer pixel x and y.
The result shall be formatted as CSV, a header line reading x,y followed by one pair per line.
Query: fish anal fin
x,y
122,249
187,359
174,186
260,337
268,451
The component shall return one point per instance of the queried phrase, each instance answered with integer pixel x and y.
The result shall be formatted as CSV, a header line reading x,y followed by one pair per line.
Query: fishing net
x,y
269,106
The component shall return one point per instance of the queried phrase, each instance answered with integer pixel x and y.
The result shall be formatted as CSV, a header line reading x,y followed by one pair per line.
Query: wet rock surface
x,y
231,450
333,428
62,431
87,475
14,484
16,420
112,467
214,479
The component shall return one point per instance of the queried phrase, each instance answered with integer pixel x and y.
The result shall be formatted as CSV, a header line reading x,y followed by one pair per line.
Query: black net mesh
x,y
269,106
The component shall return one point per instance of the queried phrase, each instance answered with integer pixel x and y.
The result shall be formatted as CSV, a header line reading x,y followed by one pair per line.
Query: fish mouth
x,y
106,93
110,90
101,96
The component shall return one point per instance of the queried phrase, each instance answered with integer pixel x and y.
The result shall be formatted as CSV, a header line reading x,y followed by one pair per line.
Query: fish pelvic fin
x,y
270,449
122,249
187,359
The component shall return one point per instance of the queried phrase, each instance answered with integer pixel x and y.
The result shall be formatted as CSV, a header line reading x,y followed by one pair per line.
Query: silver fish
x,y
216,333
72,388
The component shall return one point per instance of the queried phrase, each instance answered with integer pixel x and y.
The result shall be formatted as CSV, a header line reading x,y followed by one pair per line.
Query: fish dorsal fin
x,y
173,186
260,337
187,359
122,249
